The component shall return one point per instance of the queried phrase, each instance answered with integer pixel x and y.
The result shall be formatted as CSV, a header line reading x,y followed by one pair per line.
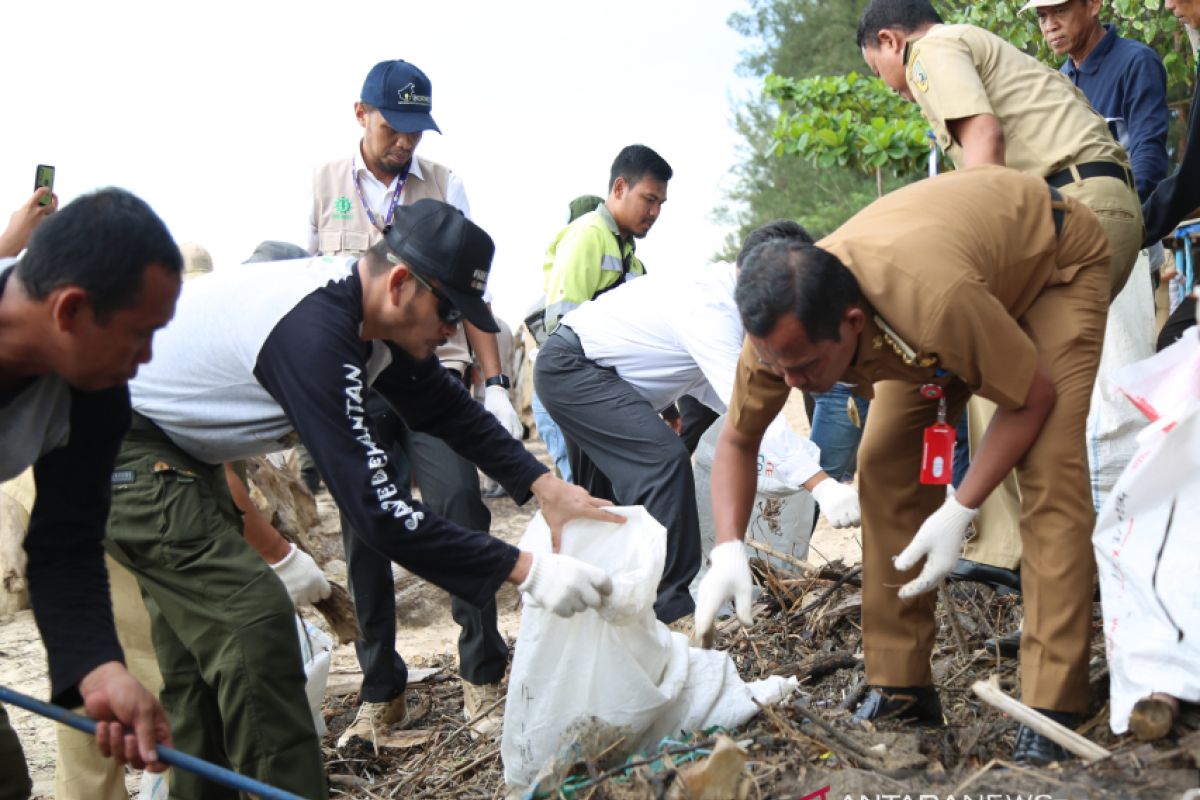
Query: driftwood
x,y
283,498
994,696
16,501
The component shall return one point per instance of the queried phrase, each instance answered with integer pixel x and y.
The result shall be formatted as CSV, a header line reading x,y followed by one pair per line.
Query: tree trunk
x,y
16,502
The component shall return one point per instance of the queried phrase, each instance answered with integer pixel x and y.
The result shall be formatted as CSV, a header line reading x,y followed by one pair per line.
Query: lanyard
x,y
395,201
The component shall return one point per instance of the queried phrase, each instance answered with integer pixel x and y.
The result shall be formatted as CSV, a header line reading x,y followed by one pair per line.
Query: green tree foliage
x,y
800,38
849,121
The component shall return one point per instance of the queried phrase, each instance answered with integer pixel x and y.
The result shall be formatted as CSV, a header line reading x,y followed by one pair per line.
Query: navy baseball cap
x,y
435,240
402,94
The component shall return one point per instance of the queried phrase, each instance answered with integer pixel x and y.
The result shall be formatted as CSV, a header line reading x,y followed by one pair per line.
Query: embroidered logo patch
x,y
920,78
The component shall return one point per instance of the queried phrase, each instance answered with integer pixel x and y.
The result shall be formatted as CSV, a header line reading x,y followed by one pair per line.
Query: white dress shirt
x,y
668,336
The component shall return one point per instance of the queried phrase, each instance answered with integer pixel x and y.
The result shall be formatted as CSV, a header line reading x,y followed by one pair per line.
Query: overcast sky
x,y
216,113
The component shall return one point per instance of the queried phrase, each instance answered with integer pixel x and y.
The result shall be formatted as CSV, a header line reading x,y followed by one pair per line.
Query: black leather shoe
x,y
919,704
1004,581
1008,645
1035,749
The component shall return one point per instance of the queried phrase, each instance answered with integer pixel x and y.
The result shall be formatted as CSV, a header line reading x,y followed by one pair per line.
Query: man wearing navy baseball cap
x,y
402,94
355,201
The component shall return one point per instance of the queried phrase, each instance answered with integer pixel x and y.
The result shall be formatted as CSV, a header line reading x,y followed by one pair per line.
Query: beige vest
x,y
343,228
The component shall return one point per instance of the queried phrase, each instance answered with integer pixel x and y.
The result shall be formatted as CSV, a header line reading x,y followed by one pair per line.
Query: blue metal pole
x,y
169,755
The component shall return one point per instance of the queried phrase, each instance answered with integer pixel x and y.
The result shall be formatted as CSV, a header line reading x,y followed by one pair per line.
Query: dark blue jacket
x,y
1125,80
1179,195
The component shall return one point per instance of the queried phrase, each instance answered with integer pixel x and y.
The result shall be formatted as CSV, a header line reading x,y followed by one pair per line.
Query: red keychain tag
x,y
937,455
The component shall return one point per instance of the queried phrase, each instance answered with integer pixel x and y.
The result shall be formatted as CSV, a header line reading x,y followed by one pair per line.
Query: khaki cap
x,y
196,260
1032,4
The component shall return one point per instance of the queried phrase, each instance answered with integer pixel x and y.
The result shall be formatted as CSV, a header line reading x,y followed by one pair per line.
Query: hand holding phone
x,y
44,177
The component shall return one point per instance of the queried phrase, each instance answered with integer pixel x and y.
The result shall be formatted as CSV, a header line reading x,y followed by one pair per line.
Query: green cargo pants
x,y
15,783
221,621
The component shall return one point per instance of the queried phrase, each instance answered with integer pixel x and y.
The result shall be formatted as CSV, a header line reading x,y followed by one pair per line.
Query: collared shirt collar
x,y
908,45
360,169
607,216
875,360
1091,64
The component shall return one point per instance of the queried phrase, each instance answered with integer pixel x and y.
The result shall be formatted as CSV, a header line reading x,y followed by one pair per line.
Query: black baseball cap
x,y
436,241
402,94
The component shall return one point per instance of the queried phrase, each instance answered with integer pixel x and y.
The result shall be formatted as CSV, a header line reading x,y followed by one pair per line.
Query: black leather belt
x,y
1092,169
1057,211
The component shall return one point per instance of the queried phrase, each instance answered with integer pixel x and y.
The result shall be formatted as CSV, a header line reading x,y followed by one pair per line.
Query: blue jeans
x,y
835,433
552,437
962,451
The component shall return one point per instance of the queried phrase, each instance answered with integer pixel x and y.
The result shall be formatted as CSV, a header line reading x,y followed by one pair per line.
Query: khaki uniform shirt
x,y
960,71
938,263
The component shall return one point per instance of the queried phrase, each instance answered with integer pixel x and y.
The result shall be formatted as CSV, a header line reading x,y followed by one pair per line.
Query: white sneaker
x,y
373,719
479,697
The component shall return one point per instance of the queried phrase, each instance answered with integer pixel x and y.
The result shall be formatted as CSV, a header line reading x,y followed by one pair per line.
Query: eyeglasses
x,y
446,310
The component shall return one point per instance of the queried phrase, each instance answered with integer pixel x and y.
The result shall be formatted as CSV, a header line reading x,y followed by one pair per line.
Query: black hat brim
x,y
473,309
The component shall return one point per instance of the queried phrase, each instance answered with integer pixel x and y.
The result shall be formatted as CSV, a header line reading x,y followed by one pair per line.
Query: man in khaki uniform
x,y
990,103
896,302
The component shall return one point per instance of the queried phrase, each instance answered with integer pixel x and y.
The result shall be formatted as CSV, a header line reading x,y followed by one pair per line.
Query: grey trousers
x,y
450,488
620,449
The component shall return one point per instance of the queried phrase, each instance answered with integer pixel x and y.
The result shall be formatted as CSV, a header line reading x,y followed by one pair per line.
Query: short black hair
x,y
634,162
377,258
102,242
903,15
769,232
788,276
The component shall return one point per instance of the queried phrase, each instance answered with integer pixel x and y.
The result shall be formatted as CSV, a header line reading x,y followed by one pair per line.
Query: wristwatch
x,y
500,380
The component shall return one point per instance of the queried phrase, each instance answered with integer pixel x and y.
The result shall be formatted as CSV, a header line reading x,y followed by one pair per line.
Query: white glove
x,y
565,585
940,542
495,400
838,502
302,577
728,576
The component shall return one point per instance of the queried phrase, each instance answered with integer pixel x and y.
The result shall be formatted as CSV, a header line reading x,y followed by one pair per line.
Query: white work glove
x,y
565,585
728,576
940,542
495,400
303,578
838,502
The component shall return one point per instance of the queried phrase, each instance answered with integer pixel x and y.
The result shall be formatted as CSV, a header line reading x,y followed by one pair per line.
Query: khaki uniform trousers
x,y
1067,325
221,621
998,538
80,772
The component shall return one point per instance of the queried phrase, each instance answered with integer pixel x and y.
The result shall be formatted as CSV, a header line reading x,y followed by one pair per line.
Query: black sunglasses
x,y
446,310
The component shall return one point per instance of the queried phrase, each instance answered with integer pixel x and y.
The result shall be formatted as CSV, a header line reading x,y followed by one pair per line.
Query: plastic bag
x,y
785,459
1113,423
315,648
783,515
1146,539
618,665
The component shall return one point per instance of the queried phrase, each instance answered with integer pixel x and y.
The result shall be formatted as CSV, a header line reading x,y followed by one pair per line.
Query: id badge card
x,y
937,456
937,452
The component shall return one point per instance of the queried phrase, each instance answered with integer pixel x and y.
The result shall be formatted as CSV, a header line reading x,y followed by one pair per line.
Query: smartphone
x,y
44,177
